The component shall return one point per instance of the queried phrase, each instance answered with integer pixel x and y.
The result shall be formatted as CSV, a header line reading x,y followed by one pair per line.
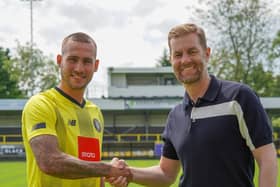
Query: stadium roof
x,y
141,70
131,103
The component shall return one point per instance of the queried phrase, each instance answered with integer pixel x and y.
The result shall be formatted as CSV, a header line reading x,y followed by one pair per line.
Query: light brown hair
x,y
184,29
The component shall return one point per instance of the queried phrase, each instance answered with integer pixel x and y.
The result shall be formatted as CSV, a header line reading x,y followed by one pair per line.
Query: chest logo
x,y
97,125
72,122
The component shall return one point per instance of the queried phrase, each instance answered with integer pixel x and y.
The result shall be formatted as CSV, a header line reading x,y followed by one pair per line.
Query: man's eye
x,y
193,52
177,55
88,61
72,60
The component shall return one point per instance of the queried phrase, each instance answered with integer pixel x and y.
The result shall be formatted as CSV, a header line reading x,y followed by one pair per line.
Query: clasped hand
x,y
120,181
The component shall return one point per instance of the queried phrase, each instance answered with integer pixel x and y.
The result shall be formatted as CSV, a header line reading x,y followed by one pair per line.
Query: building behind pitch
x,y
135,112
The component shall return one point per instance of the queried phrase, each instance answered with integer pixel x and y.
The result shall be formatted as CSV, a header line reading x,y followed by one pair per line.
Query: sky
x,y
129,33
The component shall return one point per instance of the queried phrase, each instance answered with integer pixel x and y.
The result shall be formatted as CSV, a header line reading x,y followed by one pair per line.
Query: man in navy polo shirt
x,y
218,130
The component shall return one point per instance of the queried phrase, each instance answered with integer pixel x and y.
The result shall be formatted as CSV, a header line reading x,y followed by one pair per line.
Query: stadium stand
x,y
135,113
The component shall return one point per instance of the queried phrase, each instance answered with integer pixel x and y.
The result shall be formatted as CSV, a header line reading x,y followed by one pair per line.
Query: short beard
x,y
191,80
194,78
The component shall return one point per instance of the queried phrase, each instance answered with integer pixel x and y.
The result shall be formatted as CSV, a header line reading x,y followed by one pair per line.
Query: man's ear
x,y
208,53
58,60
96,65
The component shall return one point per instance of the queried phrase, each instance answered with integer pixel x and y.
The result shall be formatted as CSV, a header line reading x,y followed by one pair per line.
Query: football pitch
x,y
12,173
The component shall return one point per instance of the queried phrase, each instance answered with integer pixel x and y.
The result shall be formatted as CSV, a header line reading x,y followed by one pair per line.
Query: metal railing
x,y
127,145
11,139
17,139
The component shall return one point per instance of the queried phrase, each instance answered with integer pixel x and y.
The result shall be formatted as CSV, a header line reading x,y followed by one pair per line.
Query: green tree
x,y
275,52
274,56
35,71
275,49
276,88
8,85
164,60
241,31
276,122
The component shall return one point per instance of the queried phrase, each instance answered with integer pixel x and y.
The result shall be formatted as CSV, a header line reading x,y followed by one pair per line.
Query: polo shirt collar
x,y
210,94
213,89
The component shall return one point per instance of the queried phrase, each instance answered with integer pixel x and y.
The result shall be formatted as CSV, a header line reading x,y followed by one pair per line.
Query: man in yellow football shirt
x,y
62,131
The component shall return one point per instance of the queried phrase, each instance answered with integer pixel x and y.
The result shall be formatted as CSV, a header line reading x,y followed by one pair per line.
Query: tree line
x,y
244,40
26,71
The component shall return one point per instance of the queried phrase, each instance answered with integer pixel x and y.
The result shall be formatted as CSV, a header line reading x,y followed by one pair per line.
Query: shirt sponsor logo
x,y
88,149
88,154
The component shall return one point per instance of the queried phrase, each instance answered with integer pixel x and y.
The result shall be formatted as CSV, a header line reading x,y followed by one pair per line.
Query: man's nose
x,y
79,66
186,58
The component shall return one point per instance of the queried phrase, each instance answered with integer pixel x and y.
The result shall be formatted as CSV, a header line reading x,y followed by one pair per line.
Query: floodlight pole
x,y
31,25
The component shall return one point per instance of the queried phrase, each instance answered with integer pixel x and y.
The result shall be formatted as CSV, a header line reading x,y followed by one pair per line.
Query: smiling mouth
x,y
187,68
75,76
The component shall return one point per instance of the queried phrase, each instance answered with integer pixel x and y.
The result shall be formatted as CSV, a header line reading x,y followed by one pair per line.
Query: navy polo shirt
x,y
214,137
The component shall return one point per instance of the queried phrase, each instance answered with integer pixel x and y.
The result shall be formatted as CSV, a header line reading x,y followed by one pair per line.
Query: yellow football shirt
x,y
78,128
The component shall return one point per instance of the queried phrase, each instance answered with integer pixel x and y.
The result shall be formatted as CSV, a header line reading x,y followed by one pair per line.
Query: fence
x,y
120,145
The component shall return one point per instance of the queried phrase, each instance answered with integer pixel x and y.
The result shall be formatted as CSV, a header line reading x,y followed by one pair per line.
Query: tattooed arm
x,y
53,161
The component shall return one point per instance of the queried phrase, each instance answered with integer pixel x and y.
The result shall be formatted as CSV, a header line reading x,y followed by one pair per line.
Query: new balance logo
x,y
72,122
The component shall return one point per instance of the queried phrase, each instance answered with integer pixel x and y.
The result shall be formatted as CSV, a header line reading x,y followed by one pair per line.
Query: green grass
x,y
12,174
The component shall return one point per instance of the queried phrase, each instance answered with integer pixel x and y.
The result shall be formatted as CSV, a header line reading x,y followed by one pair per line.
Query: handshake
x,y
164,174
123,175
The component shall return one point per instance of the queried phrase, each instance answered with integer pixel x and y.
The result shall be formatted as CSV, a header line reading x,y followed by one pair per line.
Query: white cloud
x,y
146,8
128,32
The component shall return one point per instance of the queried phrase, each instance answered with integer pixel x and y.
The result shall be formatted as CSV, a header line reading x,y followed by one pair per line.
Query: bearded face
x,y
189,59
77,65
